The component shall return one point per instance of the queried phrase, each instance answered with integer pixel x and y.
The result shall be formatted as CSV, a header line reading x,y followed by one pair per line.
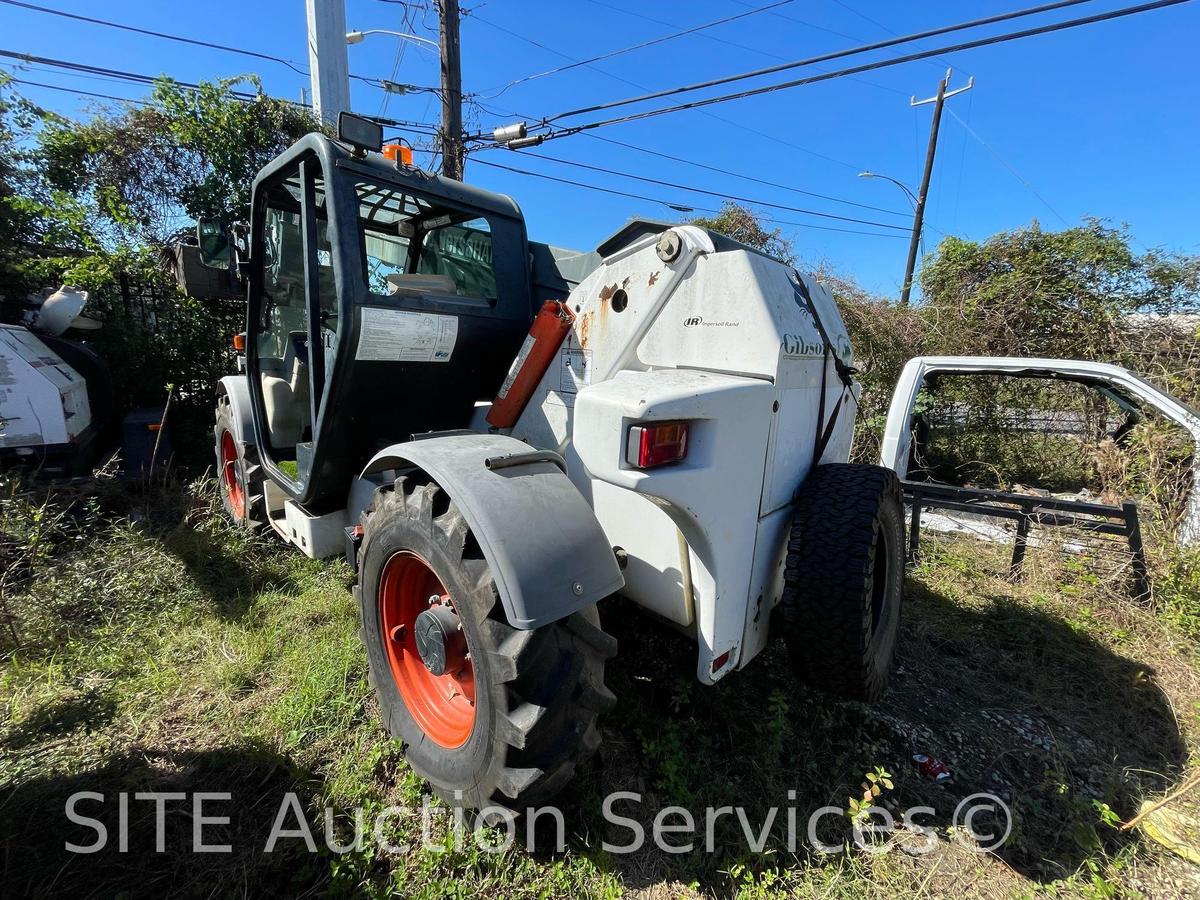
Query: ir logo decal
x,y
693,320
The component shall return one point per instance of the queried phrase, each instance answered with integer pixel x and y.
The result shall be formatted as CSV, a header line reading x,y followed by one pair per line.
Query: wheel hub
x,y
426,649
440,641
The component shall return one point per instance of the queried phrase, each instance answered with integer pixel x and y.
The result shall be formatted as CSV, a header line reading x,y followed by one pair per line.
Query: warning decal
x,y
515,368
401,335
575,371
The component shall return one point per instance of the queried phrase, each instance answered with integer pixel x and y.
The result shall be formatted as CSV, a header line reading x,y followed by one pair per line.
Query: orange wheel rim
x,y
442,705
231,476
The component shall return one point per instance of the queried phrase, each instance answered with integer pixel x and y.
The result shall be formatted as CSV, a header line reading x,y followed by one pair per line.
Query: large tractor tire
x,y
239,474
844,579
489,715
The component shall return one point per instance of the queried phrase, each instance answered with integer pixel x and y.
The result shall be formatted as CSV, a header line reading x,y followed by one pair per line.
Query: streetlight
x,y
918,231
912,198
356,37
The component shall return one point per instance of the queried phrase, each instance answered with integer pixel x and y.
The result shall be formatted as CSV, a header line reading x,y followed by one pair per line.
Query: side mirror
x,y
213,240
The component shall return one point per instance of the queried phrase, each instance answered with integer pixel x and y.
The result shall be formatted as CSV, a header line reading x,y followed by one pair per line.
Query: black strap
x,y
844,371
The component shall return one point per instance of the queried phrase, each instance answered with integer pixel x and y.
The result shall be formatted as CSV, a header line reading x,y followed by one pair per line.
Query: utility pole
x,y
452,132
919,214
327,58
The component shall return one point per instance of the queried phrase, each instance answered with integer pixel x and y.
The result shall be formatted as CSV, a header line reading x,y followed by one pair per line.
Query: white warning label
x,y
402,335
515,369
575,371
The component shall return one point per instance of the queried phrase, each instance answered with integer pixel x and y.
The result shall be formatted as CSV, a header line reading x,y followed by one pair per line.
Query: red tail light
x,y
656,444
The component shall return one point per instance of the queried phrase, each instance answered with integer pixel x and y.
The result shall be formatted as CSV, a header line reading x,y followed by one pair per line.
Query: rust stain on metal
x,y
653,278
583,326
608,290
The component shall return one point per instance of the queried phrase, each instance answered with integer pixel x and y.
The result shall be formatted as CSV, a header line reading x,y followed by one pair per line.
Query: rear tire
x,y
239,475
536,694
844,579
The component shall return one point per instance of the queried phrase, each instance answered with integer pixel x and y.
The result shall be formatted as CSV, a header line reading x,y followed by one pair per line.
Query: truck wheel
x,y
239,476
489,715
844,579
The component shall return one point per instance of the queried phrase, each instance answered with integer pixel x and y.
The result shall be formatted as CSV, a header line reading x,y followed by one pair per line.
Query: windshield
x,y
412,244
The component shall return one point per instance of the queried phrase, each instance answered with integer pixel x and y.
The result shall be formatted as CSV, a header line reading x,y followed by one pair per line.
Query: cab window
x,y
410,243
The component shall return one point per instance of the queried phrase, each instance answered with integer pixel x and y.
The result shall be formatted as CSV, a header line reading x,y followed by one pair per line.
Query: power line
x,y
854,70
150,80
717,194
641,87
762,181
255,54
728,173
788,18
678,207
748,49
881,27
639,46
101,71
1015,174
825,57
76,91
158,34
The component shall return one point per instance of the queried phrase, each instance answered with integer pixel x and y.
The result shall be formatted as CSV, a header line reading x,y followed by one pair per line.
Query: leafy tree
x,y
1043,293
183,155
743,224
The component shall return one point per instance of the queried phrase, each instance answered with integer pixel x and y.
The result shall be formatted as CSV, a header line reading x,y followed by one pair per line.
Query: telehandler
x,y
500,434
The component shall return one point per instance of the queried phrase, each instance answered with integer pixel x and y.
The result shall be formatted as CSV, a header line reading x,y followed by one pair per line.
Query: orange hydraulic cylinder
x,y
550,326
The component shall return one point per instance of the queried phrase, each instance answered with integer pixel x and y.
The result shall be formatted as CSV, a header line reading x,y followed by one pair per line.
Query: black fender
x,y
548,555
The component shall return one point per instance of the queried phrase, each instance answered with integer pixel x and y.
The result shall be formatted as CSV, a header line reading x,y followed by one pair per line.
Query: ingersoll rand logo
x,y
693,320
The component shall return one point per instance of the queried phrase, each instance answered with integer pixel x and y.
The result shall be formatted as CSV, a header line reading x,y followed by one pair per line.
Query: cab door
x,y
293,318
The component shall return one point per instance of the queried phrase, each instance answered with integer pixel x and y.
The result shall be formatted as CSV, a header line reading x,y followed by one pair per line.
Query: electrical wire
x,y
812,25
158,34
639,46
76,91
828,57
744,47
1015,174
678,207
150,80
718,194
853,70
882,27
725,172
745,177
716,118
255,54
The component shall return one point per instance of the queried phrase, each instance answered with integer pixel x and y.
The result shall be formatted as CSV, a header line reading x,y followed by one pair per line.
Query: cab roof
x,y
334,155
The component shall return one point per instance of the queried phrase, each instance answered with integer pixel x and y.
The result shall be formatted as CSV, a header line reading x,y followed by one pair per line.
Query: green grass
x,y
151,646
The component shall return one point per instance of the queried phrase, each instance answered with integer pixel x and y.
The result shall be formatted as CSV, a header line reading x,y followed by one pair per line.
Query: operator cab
x,y
384,301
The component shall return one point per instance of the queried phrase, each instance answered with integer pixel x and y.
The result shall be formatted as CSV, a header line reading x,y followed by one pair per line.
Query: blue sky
x,y
1096,121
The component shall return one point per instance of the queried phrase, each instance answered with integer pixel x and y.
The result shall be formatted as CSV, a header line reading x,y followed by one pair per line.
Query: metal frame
x,y
1027,510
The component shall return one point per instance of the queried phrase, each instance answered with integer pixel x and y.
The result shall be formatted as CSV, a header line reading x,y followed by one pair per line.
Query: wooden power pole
x,y
452,132
919,215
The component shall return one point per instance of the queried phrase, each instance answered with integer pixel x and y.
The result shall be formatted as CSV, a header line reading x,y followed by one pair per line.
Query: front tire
x,y
844,579
510,714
